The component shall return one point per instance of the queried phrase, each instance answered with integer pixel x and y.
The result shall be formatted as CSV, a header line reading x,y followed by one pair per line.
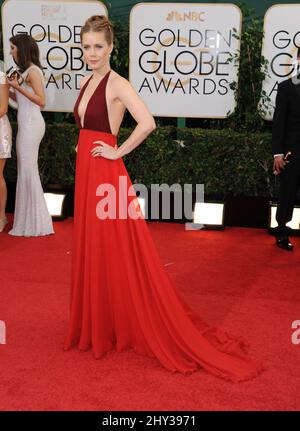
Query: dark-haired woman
x,y
122,297
31,217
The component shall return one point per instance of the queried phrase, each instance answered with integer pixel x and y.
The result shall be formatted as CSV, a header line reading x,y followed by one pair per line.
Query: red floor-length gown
x,y
121,295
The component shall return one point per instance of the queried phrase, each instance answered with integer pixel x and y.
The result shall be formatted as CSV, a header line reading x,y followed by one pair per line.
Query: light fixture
x,y
294,224
55,204
207,215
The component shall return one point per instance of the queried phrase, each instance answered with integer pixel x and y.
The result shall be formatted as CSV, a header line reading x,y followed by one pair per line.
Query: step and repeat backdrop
x,y
280,46
56,28
183,56
179,57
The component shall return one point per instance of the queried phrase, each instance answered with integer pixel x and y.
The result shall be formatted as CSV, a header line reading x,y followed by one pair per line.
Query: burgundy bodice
x,y
96,114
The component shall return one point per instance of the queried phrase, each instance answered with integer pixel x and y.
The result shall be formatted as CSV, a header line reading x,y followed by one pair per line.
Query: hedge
x,y
227,162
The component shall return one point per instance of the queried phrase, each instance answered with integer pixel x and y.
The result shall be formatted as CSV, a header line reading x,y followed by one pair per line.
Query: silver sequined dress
x,y
31,217
5,130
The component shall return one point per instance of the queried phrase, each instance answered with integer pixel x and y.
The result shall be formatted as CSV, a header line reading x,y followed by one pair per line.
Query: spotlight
x,y
55,204
208,215
294,224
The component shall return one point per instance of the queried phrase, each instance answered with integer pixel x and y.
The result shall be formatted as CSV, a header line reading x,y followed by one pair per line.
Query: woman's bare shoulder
x,y
84,80
118,82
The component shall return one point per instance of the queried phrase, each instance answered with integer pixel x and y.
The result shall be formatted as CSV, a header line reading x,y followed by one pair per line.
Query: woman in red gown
x,y
121,295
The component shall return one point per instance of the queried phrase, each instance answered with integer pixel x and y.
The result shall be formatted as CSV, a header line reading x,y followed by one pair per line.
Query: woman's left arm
x,y
139,111
36,82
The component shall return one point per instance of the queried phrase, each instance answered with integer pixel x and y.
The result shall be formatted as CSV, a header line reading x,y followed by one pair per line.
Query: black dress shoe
x,y
284,243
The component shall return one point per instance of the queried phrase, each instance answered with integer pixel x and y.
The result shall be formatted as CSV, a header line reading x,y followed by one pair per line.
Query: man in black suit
x,y
285,138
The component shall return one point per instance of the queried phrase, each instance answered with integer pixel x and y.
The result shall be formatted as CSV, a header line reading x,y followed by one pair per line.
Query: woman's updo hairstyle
x,y
98,24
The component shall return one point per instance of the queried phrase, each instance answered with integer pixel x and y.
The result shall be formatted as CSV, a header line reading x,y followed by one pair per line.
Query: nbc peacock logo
x,y
53,12
185,16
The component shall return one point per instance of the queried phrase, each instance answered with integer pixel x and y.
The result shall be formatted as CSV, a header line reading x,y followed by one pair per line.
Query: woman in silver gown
x,y
31,217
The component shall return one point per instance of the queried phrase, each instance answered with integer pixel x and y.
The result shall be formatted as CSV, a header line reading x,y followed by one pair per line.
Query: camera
x,y
12,72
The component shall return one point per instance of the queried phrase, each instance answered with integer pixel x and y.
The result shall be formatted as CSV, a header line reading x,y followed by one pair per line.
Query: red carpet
x,y
236,279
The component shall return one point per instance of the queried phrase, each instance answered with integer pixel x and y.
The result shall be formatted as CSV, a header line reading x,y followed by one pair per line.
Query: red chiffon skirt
x,y
121,296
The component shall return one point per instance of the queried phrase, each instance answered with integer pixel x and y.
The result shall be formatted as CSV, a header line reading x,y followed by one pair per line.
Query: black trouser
x,y
289,184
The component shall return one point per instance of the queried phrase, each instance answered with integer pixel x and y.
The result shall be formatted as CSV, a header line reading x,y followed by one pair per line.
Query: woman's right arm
x,y
4,95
